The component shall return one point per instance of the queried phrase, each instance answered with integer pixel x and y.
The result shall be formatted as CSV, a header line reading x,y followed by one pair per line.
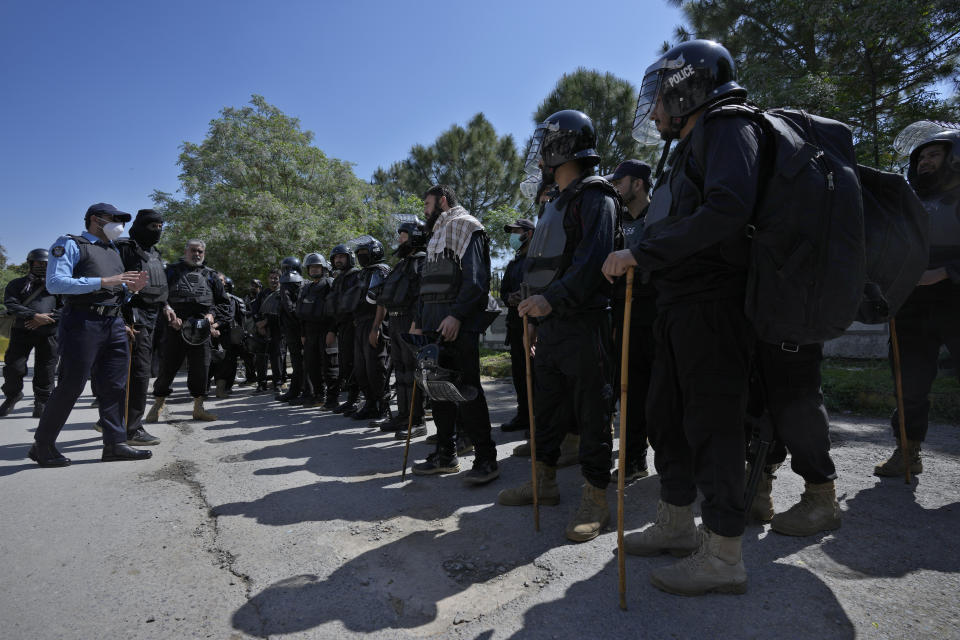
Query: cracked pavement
x,y
279,521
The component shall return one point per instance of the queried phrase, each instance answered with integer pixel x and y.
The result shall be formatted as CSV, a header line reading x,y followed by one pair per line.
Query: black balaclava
x,y
140,233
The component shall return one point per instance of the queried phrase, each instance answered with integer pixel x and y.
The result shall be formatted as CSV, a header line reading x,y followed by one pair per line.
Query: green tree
x,y
483,168
256,190
874,65
610,102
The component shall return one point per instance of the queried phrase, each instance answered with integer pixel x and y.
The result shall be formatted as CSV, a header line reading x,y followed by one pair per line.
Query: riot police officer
x,y
320,360
291,281
370,359
694,244
570,298
930,317
344,299
37,312
195,292
520,233
139,253
454,295
87,270
231,339
397,299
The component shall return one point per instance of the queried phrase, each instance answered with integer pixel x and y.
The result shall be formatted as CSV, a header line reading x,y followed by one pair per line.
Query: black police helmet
x,y
689,76
371,250
290,263
315,258
564,136
228,284
38,255
951,160
343,250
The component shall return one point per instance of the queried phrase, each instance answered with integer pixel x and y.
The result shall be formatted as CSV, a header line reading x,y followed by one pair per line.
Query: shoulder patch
x,y
58,251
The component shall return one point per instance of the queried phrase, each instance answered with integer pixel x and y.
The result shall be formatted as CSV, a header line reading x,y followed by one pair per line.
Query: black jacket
x,y
471,300
18,290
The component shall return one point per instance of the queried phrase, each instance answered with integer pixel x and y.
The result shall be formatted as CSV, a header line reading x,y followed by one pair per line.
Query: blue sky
x,y
98,96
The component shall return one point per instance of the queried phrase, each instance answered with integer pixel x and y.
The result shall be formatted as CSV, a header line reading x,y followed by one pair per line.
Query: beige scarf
x,y
452,231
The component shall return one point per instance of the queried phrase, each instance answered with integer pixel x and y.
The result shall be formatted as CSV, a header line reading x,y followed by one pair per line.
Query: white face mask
x,y
112,230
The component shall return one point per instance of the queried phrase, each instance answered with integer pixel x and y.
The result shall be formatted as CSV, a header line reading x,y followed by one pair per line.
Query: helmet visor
x,y
644,128
530,186
532,164
918,132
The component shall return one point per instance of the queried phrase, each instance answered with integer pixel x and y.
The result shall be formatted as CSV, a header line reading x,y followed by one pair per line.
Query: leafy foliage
x,y
256,190
874,65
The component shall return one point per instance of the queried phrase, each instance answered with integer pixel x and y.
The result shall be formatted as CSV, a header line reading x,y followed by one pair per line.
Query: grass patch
x,y
494,364
865,387
4,342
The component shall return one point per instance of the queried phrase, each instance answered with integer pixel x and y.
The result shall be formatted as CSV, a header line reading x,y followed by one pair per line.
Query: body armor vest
x,y
347,292
312,302
366,280
156,291
944,212
440,282
402,286
270,306
545,256
98,260
192,285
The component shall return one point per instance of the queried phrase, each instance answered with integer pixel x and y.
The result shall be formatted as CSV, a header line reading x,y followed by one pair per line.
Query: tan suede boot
x,y
674,532
158,407
893,466
762,508
547,490
592,515
716,567
817,511
199,413
569,451
221,388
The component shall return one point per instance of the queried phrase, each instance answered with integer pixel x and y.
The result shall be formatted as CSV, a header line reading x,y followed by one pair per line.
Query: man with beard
x,y
91,339
694,245
569,297
454,289
930,318
194,292
345,296
320,362
397,300
631,179
139,253
35,329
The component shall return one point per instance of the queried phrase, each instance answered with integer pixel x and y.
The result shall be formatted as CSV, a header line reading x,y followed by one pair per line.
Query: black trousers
x,y
141,367
696,408
370,364
518,366
640,363
573,381
345,340
198,366
463,355
923,326
321,363
404,361
787,385
226,369
44,347
89,346
298,383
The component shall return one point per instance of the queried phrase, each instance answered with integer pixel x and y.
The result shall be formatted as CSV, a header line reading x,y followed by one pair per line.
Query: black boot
x,y
38,408
9,403
46,455
121,451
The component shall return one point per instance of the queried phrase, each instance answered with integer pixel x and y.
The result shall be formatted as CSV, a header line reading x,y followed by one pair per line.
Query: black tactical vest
x,y
311,305
98,260
440,282
348,291
156,291
944,212
365,308
402,286
192,286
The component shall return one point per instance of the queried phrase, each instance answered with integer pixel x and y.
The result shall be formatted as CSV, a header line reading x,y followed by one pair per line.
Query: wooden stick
x,y
406,449
622,457
533,427
897,376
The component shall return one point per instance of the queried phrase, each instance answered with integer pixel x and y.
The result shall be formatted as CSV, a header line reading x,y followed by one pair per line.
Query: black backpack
x,y
808,259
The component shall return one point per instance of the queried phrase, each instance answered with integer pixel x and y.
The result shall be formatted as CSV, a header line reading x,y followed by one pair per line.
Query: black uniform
x,y
24,297
931,316
459,287
142,312
231,340
399,297
320,363
512,278
370,364
573,365
643,312
287,296
695,245
346,295
267,307
194,291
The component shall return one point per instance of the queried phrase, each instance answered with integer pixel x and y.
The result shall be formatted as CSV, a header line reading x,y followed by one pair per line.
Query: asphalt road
x,y
284,522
